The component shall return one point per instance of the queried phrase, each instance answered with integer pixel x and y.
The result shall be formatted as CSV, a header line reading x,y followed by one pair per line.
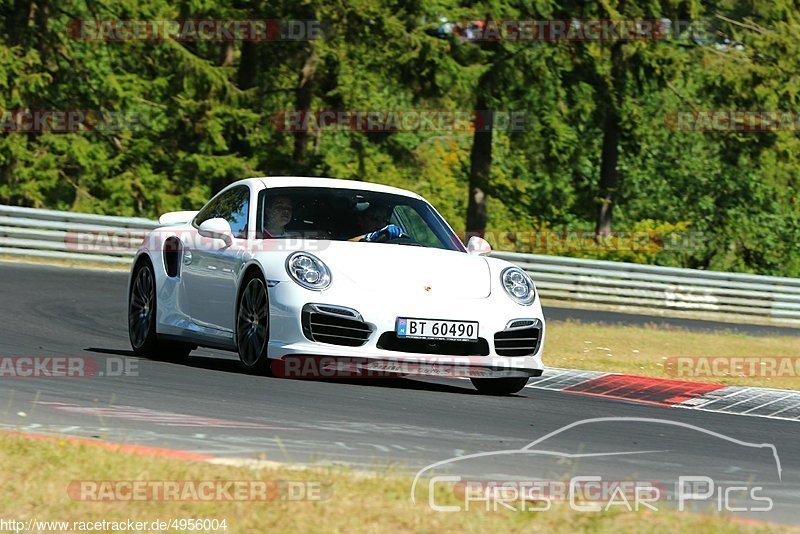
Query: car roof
x,y
269,182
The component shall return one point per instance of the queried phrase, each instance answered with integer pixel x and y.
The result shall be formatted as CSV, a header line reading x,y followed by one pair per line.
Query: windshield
x,y
350,215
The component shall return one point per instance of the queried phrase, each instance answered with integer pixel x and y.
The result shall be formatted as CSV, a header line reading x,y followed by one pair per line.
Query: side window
x,y
233,206
235,209
209,211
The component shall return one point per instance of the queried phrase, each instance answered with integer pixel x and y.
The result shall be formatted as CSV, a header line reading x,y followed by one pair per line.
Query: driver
x,y
376,216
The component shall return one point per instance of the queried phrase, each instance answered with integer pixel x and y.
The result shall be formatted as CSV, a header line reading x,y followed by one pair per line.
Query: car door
x,y
210,267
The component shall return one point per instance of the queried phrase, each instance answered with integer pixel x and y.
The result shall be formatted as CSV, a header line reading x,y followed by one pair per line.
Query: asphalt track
x,y
208,406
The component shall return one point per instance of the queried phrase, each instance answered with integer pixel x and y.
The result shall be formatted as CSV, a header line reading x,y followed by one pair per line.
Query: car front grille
x,y
520,338
324,323
390,341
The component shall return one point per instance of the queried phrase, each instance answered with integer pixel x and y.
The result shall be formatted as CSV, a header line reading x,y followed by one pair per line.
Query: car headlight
x,y
308,271
518,285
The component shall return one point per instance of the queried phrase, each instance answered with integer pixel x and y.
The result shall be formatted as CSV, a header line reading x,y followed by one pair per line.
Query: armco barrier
x,y
62,235
661,288
70,236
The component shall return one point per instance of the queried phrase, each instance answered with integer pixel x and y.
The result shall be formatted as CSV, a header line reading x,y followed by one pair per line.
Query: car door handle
x,y
187,257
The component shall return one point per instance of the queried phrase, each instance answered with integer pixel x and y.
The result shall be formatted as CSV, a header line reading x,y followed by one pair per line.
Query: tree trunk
x,y
481,153
609,175
227,54
41,19
304,96
17,21
248,65
609,178
480,167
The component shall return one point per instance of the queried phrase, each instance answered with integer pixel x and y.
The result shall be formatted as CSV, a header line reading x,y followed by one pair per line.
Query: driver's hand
x,y
391,230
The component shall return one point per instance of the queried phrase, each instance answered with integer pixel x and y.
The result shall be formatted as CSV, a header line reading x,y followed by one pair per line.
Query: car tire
x,y
252,325
142,308
499,386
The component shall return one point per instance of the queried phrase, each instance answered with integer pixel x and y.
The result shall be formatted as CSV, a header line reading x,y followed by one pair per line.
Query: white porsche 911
x,y
289,267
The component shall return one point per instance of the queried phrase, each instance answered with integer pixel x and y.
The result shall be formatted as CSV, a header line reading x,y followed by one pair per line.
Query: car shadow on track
x,y
232,366
198,362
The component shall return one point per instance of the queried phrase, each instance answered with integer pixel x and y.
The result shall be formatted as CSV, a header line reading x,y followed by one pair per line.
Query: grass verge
x,y
35,476
650,351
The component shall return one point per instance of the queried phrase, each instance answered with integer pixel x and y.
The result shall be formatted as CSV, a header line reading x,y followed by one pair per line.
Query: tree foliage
x,y
206,110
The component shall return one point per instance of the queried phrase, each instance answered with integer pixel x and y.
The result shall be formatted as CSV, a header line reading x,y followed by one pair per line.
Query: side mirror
x,y
478,246
217,229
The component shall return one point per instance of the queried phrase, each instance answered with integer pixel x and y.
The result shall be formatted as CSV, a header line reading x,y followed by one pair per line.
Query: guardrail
x,y
70,236
114,240
661,288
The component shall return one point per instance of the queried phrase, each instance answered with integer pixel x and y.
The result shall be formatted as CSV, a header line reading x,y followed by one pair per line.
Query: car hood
x,y
408,270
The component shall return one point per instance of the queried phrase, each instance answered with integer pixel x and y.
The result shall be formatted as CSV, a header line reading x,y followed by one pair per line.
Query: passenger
x,y
277,214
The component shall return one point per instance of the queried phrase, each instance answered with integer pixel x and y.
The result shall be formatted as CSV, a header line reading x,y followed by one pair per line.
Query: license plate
x,y
412,328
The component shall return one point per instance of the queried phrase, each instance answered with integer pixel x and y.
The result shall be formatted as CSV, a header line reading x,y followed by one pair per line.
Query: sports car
x,y
291,268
